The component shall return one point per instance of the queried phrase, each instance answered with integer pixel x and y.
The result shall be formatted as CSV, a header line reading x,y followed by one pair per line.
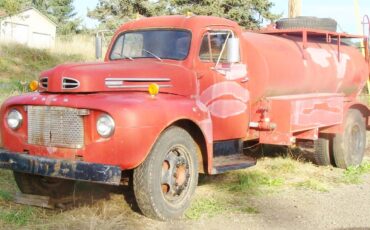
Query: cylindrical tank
x,y
280,65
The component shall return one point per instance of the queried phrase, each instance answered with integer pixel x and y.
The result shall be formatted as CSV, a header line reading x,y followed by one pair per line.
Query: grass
x,y
17,217
20,64
82,45
353,175
6,195
206,207
313,184
254,181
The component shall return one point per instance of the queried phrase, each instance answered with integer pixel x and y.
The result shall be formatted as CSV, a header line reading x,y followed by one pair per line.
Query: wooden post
x,y
295,8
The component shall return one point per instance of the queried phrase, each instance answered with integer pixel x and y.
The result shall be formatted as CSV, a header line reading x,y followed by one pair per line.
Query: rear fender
x,y
347,106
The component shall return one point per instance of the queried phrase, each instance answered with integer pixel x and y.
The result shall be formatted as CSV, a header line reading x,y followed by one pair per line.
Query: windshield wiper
x,y
127,57
123,56
160,59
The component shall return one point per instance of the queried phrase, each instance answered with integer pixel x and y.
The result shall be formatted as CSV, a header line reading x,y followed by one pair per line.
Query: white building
x,y
29,27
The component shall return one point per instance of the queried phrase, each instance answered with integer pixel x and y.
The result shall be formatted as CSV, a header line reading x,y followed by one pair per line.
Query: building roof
x,y
3,14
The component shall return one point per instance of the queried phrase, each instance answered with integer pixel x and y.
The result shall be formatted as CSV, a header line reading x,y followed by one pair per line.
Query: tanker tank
x,y
286,65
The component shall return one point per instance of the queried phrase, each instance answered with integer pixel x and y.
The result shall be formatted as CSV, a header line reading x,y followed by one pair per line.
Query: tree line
x,y
111,13
248,13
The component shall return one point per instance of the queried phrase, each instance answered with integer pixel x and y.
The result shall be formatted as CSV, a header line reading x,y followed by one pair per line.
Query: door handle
x,y
244,80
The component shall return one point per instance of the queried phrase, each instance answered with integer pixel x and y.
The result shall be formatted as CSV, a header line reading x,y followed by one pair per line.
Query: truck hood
x,y
124,75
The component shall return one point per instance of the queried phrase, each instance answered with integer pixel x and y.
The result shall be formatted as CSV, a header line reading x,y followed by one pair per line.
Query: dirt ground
x,y
342,207
346,207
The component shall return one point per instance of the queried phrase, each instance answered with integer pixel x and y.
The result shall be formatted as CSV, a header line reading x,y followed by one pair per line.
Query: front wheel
x,y
165,182
349,146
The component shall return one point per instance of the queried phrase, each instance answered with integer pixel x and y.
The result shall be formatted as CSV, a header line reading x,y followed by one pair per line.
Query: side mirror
x,y
98,46
233,48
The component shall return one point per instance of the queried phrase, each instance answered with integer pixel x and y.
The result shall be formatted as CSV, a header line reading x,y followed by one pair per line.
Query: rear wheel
x,y
322,151
349,146
165,182
43,186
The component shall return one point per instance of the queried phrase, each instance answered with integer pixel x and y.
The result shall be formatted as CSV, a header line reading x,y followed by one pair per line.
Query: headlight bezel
x,y
17,115
112,125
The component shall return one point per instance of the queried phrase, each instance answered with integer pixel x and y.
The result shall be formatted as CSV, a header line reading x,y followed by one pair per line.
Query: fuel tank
x,y
285,65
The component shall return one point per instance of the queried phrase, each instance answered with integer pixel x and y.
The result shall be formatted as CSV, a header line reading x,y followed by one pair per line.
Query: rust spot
x,y
165,188
321,106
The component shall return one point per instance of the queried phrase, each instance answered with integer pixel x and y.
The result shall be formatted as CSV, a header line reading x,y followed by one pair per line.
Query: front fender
x,y
139,118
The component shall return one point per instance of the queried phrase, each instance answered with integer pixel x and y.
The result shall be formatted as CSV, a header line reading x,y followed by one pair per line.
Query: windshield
x,y
160,44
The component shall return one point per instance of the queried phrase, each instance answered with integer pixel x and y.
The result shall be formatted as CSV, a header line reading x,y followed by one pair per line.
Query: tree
x,y
11,7
248,13
62,12
112,13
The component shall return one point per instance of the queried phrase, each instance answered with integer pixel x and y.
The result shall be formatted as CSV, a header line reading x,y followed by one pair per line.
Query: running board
x,y
223,164
228,156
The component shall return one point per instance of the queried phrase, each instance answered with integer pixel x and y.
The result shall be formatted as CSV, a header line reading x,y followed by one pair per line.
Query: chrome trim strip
x,y
135,86
143,79
72,84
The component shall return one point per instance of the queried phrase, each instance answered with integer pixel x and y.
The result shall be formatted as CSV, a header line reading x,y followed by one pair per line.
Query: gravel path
x,y
344,207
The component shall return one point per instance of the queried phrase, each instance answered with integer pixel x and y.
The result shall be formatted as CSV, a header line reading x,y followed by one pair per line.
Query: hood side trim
x,y
143,79
120,82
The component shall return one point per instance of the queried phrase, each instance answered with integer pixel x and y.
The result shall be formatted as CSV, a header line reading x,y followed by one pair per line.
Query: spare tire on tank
x,y
308,23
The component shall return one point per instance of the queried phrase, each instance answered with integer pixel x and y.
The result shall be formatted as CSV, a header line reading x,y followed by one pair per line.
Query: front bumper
x,y
65,169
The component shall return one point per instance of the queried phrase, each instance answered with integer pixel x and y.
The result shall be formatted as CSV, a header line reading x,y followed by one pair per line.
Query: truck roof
x,y
177,21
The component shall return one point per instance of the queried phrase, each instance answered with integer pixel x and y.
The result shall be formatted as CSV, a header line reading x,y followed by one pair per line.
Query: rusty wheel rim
x,y
175,174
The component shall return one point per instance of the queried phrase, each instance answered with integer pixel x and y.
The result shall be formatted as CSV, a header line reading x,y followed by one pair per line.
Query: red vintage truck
x,y
177,96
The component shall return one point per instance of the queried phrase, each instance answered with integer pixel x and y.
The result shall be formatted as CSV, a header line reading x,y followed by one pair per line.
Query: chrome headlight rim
x,y
16,115
112,126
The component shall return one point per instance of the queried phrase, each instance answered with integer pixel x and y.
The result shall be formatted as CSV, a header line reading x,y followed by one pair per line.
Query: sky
x,y
341,10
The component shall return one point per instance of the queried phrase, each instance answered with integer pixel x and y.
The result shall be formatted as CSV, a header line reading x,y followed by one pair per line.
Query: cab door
x,y
222,86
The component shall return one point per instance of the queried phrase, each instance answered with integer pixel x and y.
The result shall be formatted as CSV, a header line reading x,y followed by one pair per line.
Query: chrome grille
x,y
56,126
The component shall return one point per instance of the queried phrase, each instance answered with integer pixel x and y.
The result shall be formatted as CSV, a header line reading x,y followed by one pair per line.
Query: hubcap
x,y
175,174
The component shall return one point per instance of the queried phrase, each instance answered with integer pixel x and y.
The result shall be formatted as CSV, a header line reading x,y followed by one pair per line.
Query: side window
x,y
204,53
212,45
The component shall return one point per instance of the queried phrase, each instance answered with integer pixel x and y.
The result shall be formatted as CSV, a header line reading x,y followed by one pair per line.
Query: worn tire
x,y
349,147
322,151
308,23
153,190
43,186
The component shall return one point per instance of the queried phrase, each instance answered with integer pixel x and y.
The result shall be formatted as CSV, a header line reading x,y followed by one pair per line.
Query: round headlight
x,y
14,119
105,125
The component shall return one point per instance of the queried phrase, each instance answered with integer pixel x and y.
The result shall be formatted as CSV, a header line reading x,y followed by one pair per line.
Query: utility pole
x,y
295,8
